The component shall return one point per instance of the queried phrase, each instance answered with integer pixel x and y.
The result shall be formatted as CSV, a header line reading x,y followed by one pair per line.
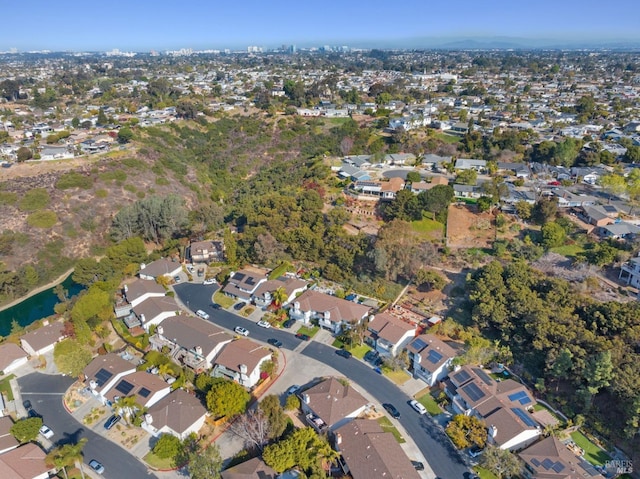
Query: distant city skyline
x,y
201,24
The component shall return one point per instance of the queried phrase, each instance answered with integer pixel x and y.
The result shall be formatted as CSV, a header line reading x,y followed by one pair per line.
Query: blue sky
x,y
142,25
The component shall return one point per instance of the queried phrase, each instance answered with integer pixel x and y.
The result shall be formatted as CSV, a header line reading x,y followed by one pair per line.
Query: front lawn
x,y
432,406
359,351
387,426
426,225
309,331
5,387
592,453
399,377
223,300
484,473
158,463
570,250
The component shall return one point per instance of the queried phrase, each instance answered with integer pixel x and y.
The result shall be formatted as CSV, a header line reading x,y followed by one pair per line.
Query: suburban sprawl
x,y
326,262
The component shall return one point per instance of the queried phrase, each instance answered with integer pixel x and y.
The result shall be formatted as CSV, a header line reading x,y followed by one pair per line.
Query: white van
x,y
420,409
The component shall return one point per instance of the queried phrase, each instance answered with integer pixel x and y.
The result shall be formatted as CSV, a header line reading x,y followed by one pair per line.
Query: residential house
x,y
103,372
430,358
466,191
367,452
551,459
389,189
7,441
459,128
619,231
140,290
194,342
504,406
252,469
160,267
567,199
12,357
331,404
436,162
400,158
359,161
52,152
332,312
599,215
240,361
470,164
630,272
244,283
349,171
389,335
368,187
588,175
154,310
521,170
147,388
25,462
292,286
179,413
43,339
206,251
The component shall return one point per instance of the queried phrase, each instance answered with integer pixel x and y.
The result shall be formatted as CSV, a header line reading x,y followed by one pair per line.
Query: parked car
x,y
476,451
274,342
264,324
215,306
304,337
34,413
288,323
239,306
209,281
177,279
391,409
112,421
373,357
240,330
420,409
191,269
96,466
27,404
292,390
46,432
417,465
202,314
344,353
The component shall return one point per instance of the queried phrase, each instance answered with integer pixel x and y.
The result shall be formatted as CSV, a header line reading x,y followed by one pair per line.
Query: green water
x,y
36,307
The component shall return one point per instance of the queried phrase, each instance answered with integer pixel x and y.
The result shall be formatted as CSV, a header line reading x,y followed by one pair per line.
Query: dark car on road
x,y
417,465
288,323
34,413
215,305
391,409
112,421
344,353
27,404
373,357
274,342
304,337
239,306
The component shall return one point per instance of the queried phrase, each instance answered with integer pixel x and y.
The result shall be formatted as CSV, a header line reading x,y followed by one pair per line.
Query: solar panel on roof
x,y
525,400
239,276
547,463
521,397
535,462
462,376
484,376
250,281
418,344
524,417
103,376
473,391
434,356
124,387
144,392
558,467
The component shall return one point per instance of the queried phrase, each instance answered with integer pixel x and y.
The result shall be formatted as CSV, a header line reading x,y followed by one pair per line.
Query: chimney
x,y
45,322
493,431
327,315
125,288
338,439
93,384
160,330
243,368
306,398
142,318
198,350
296,305
148,418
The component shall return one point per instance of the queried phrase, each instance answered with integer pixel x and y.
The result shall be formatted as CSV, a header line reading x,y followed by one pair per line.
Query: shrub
x,y
74,179
42,219
8,198
34,200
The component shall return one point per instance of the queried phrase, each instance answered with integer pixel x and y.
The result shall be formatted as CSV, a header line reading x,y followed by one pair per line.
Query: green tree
x,y
484,203
562,365
466,431
275,415
227,399
280,296
168,446
205,464
599,372
503,463
303,448
524,209
27,429
292,403
467,177
102,118
544,210
553,235
75,122
71,357
125,135
613,184
66,455
24,154
413,177
429,279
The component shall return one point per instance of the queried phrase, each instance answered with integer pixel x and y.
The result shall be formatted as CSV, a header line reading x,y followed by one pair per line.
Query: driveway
x,y
46,392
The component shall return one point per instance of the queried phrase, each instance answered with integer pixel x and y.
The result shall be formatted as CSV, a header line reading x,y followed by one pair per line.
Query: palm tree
x,y
126,405
280,296
164,369
63,456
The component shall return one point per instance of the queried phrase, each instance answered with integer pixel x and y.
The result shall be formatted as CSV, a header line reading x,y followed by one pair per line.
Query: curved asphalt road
x,y
45,391
443,458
